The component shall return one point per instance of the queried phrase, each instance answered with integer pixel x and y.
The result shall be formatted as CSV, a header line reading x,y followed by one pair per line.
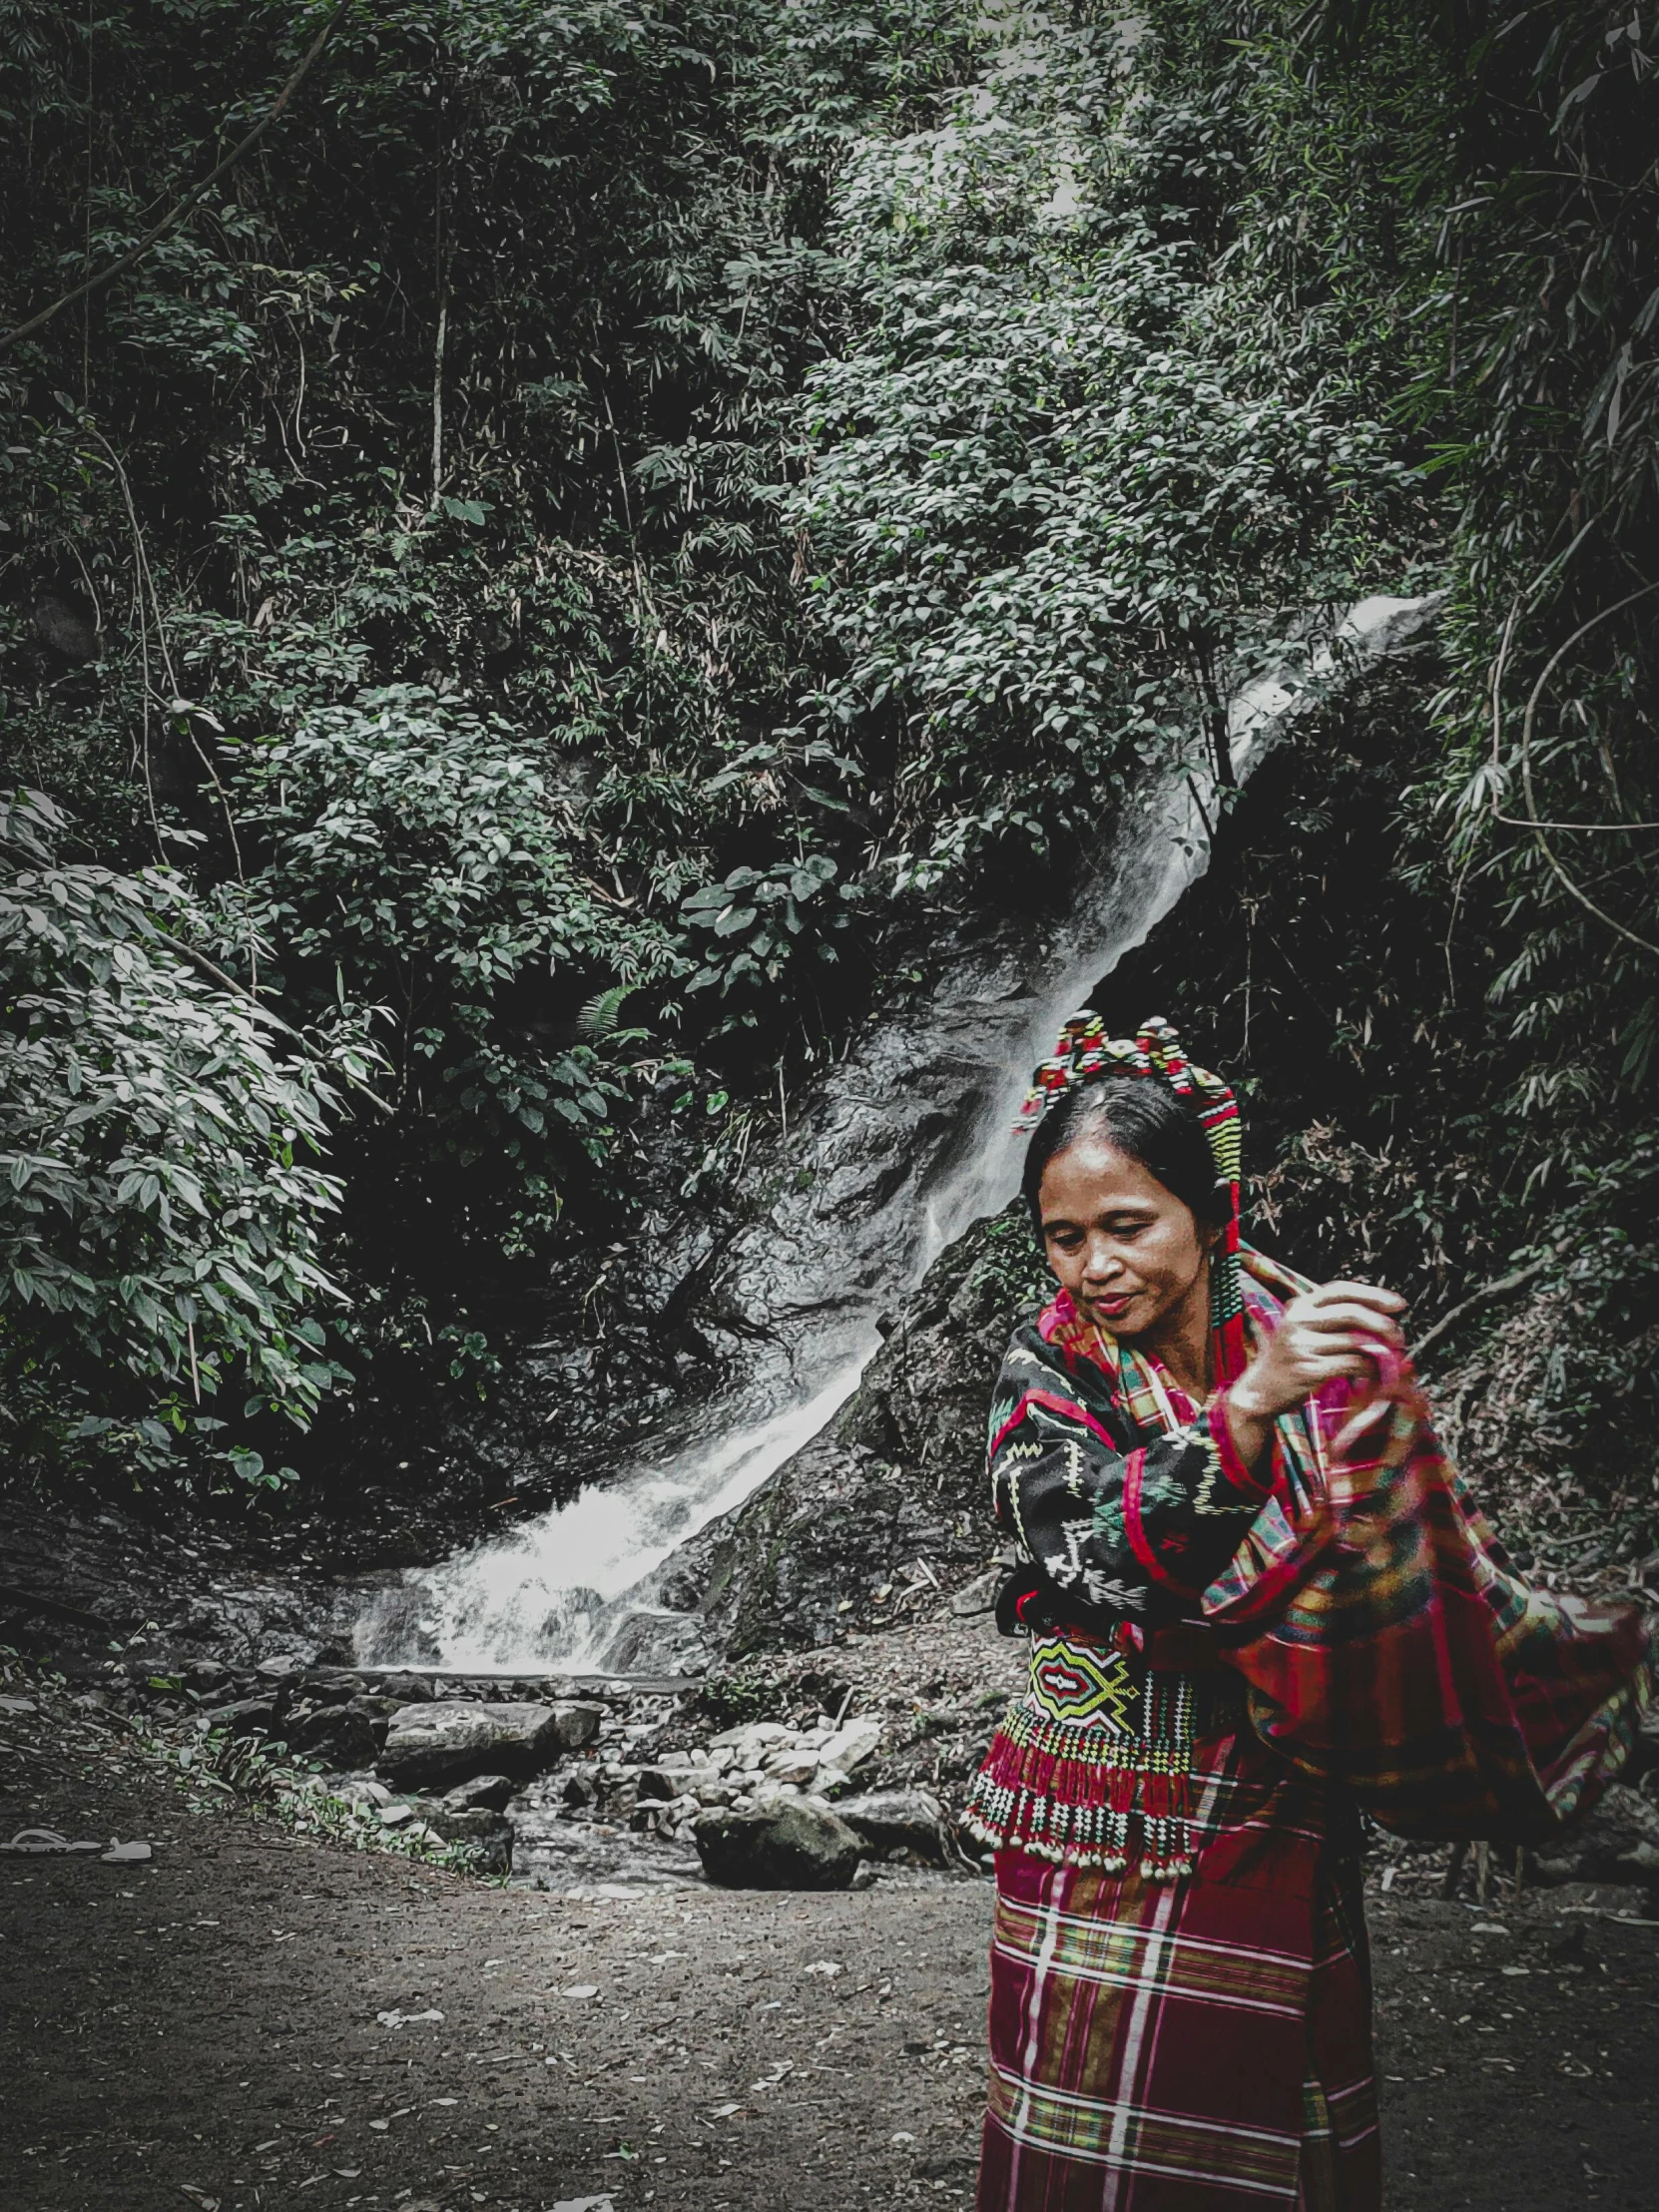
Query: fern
x,y
601,1015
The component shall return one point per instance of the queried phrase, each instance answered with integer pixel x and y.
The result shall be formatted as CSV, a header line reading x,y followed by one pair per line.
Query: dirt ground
x,y
247,2020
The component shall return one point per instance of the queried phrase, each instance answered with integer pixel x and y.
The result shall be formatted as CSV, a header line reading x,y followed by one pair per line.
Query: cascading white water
x,y
555,1591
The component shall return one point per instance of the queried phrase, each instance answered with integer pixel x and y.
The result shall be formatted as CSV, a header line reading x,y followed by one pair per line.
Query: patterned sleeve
x,y
1136,1532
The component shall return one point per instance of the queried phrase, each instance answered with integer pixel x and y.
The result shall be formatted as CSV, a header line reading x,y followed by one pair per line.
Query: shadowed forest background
x,y
528,607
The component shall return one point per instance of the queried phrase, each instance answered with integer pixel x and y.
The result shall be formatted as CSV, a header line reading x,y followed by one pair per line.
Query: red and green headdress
x,y
1086,1054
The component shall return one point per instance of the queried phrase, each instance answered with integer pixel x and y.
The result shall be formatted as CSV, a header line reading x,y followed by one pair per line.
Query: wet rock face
x,y
894,1488
183,1599
435,1746
788,1845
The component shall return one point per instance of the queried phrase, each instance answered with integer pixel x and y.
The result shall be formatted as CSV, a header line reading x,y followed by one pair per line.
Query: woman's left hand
x,y
1322,1337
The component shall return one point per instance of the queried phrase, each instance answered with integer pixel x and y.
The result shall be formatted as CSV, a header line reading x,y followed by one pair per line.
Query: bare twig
x,y
1531,820
145,687
145,582
1483,1297
177,213
216,974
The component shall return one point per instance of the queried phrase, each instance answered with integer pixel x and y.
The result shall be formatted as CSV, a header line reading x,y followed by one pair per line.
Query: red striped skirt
x,y
1200,2044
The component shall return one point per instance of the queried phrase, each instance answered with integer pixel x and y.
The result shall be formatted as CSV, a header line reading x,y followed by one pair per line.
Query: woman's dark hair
x,y
1145,1122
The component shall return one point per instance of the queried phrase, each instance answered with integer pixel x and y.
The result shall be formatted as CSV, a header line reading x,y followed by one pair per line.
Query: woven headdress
x,y
1085,1054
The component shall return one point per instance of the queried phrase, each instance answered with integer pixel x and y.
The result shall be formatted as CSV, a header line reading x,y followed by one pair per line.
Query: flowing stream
x,y
893,1155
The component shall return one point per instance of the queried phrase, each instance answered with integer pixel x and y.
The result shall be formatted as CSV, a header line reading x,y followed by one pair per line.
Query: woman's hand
x,y
1322,1335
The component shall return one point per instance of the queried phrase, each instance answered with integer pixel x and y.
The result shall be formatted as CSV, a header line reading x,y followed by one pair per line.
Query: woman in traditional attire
x,y
1257,1601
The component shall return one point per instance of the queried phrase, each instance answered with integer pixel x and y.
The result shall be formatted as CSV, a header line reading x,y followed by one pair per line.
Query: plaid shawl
x,y
1390,1644
1386,1640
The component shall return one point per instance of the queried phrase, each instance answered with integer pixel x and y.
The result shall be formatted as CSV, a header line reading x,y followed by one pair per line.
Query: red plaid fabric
x,y
1388,1644
1199,2045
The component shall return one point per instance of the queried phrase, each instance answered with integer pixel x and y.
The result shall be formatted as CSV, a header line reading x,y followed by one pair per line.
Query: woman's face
x,y
1132,1254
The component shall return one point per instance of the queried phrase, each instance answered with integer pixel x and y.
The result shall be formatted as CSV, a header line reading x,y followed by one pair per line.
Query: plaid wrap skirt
x,y
1201,2045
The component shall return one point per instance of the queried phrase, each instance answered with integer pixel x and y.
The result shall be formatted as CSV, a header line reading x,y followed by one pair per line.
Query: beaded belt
x,y
1092,1766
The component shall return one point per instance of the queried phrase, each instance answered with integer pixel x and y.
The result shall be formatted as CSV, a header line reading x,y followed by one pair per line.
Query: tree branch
x,y
177,213
1500,1289
227,982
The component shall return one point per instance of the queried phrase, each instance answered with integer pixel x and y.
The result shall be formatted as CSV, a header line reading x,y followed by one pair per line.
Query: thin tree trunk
x,y
437,400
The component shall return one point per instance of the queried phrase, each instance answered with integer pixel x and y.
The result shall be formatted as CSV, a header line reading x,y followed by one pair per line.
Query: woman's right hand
x,y
1322,1335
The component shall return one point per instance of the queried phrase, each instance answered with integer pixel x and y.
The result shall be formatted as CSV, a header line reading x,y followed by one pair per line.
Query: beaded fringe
x,y
1085,1797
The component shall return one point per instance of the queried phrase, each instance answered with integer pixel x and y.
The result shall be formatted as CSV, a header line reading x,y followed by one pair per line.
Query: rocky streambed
x,y
830,1767
799,1698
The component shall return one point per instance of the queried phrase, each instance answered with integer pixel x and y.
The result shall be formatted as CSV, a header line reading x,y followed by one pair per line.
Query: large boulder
x,y
886,1821
492,1792
435,1746
343,1736
787,1845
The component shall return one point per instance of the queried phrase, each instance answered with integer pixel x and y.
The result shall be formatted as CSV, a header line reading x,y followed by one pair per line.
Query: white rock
x,y
772,1792
851,1745
793,1766
753,1736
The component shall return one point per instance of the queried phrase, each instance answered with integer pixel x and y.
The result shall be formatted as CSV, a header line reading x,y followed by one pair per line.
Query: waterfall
x,y
907,1143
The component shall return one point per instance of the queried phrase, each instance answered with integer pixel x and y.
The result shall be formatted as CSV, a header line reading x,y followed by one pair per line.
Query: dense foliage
x,y
159,1213
544,578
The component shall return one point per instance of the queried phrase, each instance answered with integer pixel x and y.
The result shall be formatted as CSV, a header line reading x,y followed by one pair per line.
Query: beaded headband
x,y
1086,1054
